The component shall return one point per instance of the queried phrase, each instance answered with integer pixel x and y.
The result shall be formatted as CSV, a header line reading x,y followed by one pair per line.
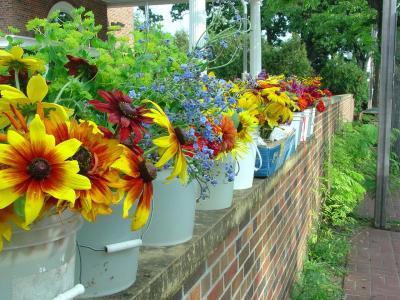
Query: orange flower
x,y
137,182
229,133
95,157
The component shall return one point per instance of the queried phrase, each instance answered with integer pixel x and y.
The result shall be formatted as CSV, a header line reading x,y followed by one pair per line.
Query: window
x,y
65,12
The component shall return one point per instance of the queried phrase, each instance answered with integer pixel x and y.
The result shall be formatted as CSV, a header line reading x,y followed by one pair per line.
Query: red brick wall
x,y
260,257
17,13
123,15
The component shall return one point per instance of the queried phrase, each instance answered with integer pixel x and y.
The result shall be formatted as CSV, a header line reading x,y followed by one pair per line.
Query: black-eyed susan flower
x,y
14,59
171,145
137,183
34,167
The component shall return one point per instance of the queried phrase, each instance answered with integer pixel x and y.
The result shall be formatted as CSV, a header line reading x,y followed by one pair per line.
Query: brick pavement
x,y
374,266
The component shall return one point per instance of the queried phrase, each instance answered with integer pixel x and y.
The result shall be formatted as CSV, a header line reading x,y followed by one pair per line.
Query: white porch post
x,y
255,37
197,22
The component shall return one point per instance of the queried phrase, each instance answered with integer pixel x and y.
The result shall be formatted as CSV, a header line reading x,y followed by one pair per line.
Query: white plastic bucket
x,y
108,255
297,124
306,124
311,123
221,195
246,166
40,263
174,207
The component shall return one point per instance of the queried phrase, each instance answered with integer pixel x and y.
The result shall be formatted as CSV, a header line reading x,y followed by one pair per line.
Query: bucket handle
x,y
117,247
260,159
77,290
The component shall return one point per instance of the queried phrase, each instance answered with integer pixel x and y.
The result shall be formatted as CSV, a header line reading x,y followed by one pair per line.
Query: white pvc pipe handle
x,y
77,290
260,159
123,246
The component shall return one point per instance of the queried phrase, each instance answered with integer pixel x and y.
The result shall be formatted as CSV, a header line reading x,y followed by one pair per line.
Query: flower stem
x,y
16,76
64,87
148,151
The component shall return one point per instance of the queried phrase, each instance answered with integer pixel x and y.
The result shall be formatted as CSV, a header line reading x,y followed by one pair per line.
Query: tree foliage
x,y
289,58
327,27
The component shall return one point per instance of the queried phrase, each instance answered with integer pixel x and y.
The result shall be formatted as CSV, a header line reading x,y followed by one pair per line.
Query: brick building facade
x,y
17,13
122,16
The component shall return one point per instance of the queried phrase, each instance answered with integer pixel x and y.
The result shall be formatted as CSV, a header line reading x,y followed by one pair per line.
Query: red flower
x,y
5,79
302,103
10,79
120,111
327,93
321,106
77,66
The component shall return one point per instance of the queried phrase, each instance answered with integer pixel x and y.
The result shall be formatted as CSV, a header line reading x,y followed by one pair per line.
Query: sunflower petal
x,y
11,177
167,155
40,141
163,142
132,195
143,209
68,148
37,88
17,52
124,165
7,197
34,202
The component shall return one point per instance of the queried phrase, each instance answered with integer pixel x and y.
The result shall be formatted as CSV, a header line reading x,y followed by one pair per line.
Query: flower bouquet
x,y
53,169
309,100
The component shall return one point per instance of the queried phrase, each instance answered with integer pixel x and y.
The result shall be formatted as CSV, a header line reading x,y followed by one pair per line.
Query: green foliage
x,y
289,58
342,76
328,27
120,65
350,173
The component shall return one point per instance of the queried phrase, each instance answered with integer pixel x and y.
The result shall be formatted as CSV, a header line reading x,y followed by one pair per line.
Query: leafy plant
x,y
289,58
344,76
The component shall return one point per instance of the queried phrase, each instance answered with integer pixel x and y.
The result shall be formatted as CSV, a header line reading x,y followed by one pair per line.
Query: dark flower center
x,y
240,127
127,109
148,171
278,93
180,136
85,160
39,168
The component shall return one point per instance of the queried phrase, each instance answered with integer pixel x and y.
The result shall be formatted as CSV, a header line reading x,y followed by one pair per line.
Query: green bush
x,y
290,58
342,76
350,173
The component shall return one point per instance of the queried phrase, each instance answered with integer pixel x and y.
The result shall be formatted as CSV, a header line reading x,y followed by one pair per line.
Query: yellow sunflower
x,y
275,94
36,91
276,113
247,126
35,168
170,145
14,60
271,80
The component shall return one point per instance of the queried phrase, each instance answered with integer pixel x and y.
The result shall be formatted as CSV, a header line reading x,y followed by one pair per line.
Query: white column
x,y
197,22
255,37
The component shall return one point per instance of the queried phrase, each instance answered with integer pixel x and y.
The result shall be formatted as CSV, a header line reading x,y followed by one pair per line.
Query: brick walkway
x,y
374,266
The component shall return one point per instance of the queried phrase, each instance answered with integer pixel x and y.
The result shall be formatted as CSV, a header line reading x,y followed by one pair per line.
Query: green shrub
x,y
342,76
290,58
350,173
